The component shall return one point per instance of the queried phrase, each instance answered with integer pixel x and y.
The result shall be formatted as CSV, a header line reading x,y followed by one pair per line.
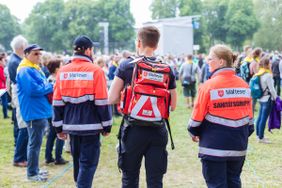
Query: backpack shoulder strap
x,y
135,60
259,77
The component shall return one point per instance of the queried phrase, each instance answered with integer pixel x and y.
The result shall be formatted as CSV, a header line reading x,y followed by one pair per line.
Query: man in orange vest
x,y
81,109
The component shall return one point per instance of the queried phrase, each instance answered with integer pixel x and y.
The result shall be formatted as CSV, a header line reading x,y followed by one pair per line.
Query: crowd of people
x,y
66,98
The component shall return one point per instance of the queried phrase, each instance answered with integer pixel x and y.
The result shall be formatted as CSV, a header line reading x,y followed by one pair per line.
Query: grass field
x,y
263,167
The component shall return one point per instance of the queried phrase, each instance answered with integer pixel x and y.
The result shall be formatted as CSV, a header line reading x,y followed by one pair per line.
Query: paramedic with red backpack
x,y
142,138
222,121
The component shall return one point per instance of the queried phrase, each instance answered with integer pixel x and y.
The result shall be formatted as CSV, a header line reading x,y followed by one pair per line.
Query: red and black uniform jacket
x,y
80,99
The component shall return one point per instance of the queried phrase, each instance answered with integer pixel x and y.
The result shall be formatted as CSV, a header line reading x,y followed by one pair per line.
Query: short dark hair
x,y
53,65
149,36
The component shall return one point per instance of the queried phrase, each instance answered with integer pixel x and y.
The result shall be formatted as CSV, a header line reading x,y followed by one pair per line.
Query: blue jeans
x,y
264,111
52,136
4,99
85,152
35,130
21,146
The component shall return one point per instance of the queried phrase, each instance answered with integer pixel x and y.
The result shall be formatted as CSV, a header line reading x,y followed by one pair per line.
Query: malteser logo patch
x,y
220,93
225,93
76,76
66,75
153,76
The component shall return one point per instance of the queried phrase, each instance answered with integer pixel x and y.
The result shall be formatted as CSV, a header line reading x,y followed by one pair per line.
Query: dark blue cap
x,y
32,47
82,43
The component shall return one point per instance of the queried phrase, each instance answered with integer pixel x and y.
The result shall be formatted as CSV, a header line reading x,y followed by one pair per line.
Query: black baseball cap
x,y
82,43
32,47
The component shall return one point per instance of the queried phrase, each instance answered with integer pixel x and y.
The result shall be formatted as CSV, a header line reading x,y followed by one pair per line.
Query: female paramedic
x,y
222,121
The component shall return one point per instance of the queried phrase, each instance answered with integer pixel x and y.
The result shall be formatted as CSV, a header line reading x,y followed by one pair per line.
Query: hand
x,y
105,134
62,136
195,139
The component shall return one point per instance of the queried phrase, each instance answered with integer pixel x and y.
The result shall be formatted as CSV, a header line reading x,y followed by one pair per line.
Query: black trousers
x,y
150,143
277,81
222,174
85,152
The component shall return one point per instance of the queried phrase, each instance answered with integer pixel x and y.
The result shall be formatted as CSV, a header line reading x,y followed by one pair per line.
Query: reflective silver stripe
x,y
251,122
77,100
155,107
82,127
193,123
228,93
145,118
107,123
222,153
58,103
101,102
57,123
139,105
228,122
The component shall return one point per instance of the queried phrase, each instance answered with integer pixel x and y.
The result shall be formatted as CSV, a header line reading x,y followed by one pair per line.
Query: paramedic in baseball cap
x,y
83,45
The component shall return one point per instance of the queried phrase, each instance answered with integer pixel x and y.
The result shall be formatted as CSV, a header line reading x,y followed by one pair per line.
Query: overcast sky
x,y
21,9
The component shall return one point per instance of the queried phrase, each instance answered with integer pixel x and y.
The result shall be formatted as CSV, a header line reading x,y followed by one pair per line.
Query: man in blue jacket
x,y
34,106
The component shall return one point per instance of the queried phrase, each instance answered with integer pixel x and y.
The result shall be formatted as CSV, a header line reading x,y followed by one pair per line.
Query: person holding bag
x,y
187,76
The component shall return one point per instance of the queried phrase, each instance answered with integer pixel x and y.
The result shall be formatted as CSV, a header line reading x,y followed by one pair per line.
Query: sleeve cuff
x,y
59,129
194,131
251,129
107,129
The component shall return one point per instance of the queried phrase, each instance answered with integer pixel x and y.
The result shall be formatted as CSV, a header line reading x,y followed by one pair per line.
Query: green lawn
x,y
263,167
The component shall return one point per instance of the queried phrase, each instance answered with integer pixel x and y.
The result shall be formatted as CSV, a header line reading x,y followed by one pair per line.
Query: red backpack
x,y
146,102
147,99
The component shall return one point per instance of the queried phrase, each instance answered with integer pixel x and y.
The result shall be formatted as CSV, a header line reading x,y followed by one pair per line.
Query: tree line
x,y
54,23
